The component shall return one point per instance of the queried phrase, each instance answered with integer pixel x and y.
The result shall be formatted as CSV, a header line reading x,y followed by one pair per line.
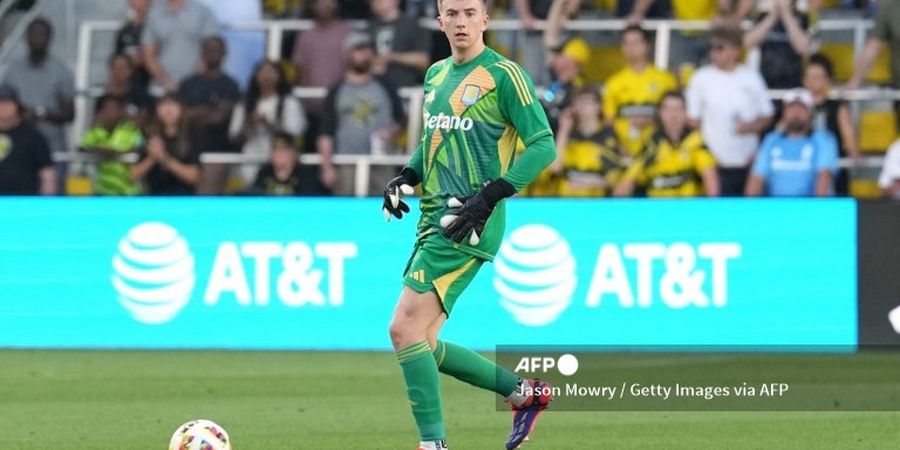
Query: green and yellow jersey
x,y
592,164
672,169
114,177
630,94
474,114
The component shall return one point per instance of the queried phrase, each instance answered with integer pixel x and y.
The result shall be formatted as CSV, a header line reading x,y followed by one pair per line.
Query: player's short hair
x,y
440,5
822,61
634,28
730,35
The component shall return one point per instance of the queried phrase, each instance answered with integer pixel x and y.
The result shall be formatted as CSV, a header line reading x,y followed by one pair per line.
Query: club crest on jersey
x,y
470,94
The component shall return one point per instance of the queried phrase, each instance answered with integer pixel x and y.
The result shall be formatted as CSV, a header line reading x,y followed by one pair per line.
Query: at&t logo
x,y
153,272
535,275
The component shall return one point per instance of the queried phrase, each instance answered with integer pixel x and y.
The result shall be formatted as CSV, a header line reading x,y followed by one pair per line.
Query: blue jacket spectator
x,y
796,160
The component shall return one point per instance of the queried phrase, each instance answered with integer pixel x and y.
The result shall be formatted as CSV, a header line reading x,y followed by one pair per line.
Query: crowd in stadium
x,y
709,128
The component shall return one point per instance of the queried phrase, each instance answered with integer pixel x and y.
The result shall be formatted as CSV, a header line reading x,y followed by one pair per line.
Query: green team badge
x,y
470,94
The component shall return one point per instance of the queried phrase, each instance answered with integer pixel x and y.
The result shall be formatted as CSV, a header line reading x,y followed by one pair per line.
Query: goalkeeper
x,y
477,106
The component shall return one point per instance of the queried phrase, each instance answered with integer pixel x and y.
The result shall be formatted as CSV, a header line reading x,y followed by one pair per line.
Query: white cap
x,y
800,95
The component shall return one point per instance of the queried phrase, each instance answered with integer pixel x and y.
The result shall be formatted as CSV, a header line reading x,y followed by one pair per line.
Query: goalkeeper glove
x,y
468,215
395,189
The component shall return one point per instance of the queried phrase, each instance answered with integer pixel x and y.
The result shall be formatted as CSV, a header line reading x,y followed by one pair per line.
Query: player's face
x,y
635,47
672,113
463,21
816,79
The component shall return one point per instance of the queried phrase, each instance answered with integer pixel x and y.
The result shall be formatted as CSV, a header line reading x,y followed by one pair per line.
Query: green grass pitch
x,y
326,400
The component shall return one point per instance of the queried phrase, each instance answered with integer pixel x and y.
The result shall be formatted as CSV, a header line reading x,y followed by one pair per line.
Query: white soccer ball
x,y
200,434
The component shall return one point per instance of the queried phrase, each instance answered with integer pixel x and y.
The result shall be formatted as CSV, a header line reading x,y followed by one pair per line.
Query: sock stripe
x,y
412,351
440,351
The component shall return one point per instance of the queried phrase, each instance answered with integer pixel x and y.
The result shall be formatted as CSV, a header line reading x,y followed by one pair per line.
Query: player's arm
x,y
519,106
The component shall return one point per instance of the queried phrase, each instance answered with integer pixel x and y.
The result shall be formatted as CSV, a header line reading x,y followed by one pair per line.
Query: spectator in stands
x,y
785,38
675,161
688,48
588,155
318,56
209,98
284,175
245,47
128,39
528,42
889,180
25,164
887,31
832,114
170,165
795,160
268,109
46,87
404,53
172,38
110,137
121,82
633,93
730,104
566,59
361,110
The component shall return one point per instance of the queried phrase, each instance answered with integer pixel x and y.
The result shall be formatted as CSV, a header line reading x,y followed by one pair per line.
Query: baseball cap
x,y
8,92
356,40
800,95
577,50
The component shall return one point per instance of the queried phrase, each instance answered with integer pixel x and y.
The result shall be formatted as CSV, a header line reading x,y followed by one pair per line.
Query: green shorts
x,y
435,265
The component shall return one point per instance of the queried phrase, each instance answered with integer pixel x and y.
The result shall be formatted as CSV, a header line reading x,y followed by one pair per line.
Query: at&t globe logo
x,y
153,272
535,275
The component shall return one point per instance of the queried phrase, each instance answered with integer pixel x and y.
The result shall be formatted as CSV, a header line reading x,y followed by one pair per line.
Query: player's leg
x,y
414,313
527,398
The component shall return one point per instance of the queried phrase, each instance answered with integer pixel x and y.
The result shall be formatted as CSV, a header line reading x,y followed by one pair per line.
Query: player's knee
x,y
404,331
401,333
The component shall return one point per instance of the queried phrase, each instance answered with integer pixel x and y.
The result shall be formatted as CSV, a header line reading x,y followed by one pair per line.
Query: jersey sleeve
x,y
417,163
519,106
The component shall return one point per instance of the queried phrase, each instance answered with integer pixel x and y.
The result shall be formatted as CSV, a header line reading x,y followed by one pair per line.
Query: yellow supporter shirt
x,y
592,164
668,169
629,94
695,9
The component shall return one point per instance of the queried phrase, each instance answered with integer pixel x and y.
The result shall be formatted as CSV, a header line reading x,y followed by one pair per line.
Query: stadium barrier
x,y
879,264
240,273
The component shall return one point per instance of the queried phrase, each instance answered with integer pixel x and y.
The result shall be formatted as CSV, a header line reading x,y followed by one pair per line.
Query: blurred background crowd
x,y
657,98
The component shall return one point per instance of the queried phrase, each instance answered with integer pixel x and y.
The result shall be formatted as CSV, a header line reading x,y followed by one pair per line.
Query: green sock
x,y
423,386
466,365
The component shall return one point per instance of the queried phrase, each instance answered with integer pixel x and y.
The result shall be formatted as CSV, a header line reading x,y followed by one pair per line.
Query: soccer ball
x,y
200,434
